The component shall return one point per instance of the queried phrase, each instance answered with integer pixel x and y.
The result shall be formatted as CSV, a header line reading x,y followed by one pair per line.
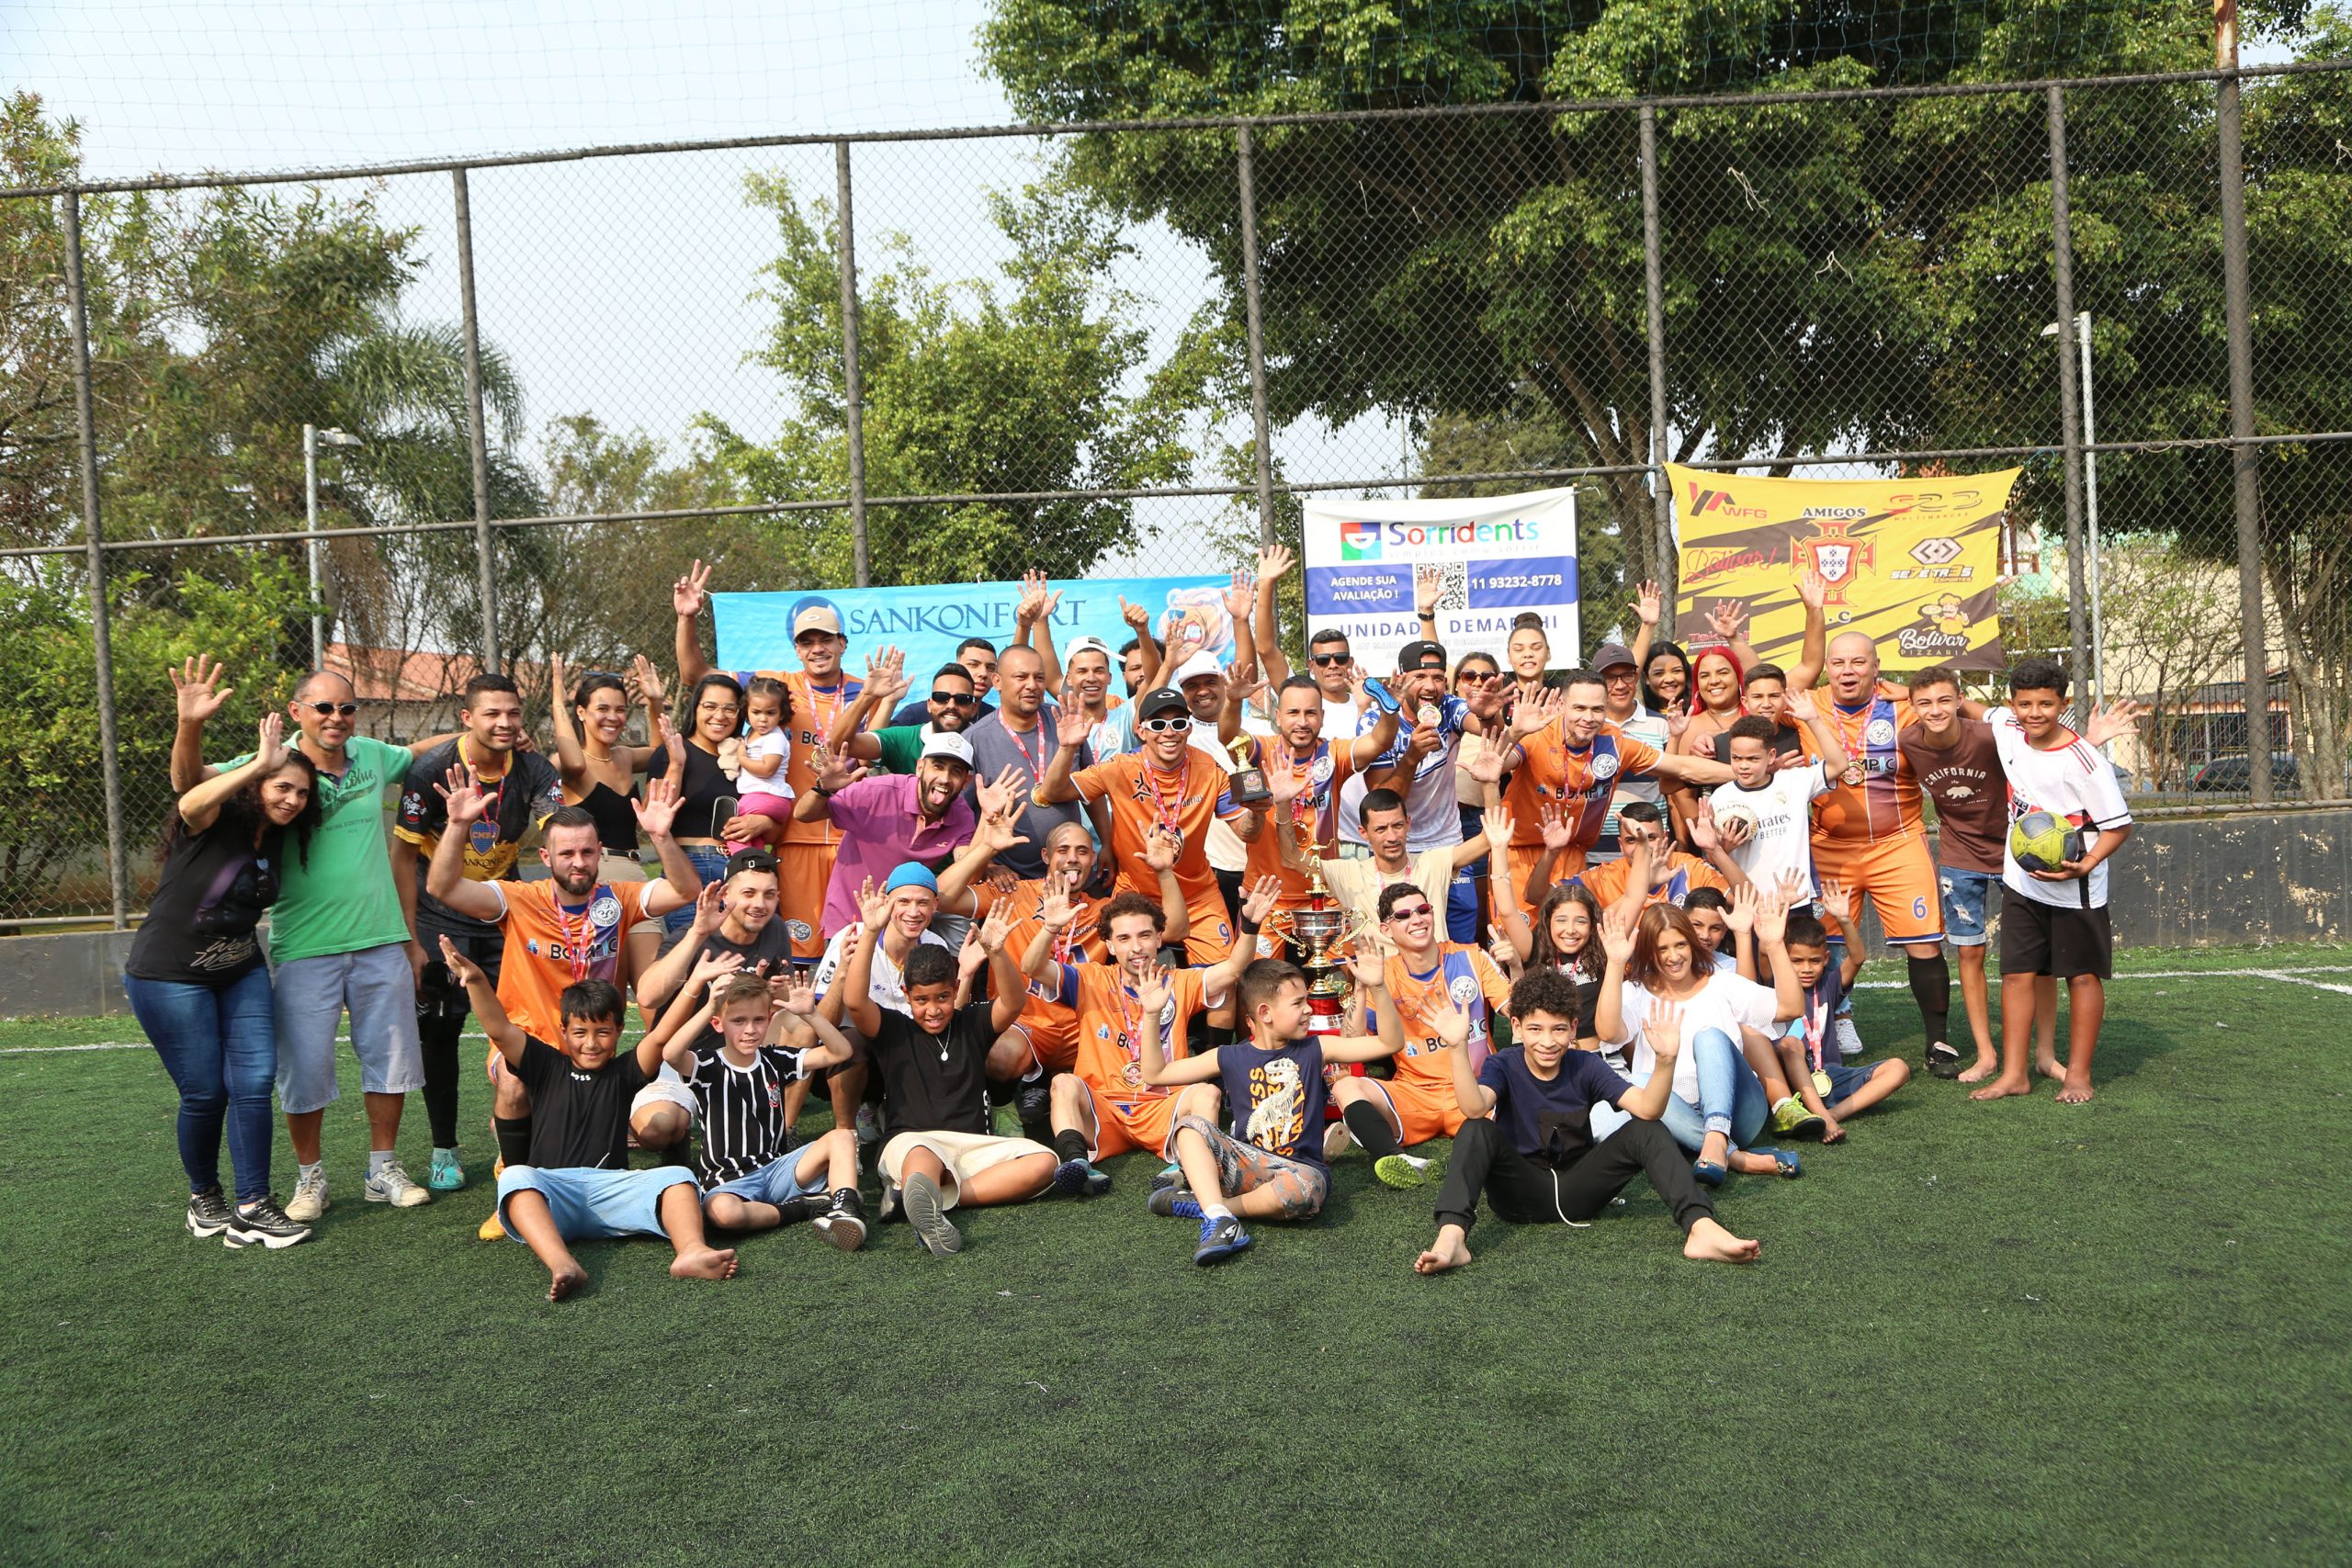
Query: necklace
x,y
577,943
1165,809
1851,737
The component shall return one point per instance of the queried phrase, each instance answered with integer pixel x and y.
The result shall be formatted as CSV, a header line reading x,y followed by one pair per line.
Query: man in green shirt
x,y
338,938
953,703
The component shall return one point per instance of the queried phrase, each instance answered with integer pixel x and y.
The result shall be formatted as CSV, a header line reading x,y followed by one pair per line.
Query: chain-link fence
x,y
519,396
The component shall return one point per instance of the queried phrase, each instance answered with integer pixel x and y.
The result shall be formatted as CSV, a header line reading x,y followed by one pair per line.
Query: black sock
x,y
1069,1145
1369,1128
1932,988
513,1138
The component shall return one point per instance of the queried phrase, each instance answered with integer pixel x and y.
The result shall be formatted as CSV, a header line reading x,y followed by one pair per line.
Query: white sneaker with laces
x,y
310,1198
1849,1040
391,1185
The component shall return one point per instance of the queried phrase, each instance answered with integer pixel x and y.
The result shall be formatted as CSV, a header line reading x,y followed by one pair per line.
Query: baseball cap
x,y
1089,643
749,860
817,619
1610,655
948,744
911,874
1159,700
1192,669
1422,655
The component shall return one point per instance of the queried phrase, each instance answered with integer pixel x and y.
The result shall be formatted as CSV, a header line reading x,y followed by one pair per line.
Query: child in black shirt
x,y
577,1184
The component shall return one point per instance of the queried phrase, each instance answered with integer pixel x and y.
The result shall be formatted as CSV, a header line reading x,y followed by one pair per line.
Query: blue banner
x,y
755,629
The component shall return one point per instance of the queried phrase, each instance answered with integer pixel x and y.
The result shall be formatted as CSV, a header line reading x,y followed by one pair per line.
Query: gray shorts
x,y
376,986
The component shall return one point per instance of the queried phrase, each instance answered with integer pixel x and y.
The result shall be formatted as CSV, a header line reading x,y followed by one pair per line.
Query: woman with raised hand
x,y
599,770
199,988
705,768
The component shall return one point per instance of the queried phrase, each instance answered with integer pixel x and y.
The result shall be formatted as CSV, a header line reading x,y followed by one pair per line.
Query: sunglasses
x,y
1164,725
325,709
959,699
1409,912
1331,658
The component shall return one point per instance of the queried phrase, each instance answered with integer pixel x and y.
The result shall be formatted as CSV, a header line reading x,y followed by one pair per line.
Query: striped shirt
x,y
743,1123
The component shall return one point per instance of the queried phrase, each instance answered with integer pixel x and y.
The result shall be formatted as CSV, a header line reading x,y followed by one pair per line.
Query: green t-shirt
x,y
342,899
902,747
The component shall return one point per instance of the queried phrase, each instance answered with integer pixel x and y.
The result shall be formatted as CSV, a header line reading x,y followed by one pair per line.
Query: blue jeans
x,y
710,864
221,1047
1731,1097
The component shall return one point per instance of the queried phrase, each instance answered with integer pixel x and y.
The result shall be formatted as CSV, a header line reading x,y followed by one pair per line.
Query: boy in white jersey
x,y
2054,922
1779,841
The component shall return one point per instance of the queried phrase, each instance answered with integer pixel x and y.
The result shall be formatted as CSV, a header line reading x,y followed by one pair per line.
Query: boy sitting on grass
x,y
1271,1164
737,1070
1529,1141
1816,1068
578,1185
937,1150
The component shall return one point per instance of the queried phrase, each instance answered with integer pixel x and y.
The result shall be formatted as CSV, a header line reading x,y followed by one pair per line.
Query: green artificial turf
x,y
2021,1332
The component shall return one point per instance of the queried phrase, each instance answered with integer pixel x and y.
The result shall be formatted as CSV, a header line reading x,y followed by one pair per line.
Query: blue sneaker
x,y
1169,1176
1175,1204
446,1175
1078,1179
1220,1239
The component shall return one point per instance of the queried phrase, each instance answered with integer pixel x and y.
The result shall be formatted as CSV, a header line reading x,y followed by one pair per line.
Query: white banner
x,y
1497,557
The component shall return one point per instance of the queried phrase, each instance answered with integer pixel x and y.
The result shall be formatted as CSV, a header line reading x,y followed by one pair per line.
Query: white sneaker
x,y
310,1198
392,1184
1849,1040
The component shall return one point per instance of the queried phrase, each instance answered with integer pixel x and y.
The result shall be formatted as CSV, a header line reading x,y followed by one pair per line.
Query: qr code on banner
x,y
1454,579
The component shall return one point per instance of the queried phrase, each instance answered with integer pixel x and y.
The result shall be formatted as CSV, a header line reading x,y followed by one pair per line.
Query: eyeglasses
x,y
1409,912
1331,658
960,699
1164,725
324,709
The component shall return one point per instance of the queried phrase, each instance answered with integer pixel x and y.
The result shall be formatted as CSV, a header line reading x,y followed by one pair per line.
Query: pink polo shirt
x,y
880,829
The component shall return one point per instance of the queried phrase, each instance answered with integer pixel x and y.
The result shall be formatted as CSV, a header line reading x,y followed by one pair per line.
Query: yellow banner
x,y
1914,563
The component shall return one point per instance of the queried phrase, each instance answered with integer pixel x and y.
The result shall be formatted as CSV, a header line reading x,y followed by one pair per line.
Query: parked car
x,y
2227,775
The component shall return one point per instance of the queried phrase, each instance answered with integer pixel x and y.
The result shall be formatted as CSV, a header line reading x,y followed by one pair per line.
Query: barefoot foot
x,y
705,1263
2071,1092
1984,1068
1448,1251
2051,1068
2001,1088
562,1282
1748,1164
1710,1242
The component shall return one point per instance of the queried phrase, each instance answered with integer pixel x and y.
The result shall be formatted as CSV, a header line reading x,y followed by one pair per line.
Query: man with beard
x,y
1305,771
950,706
887,820
1018,740
735,914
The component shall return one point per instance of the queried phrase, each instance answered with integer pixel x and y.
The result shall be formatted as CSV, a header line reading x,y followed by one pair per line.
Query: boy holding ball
x,y
2054,905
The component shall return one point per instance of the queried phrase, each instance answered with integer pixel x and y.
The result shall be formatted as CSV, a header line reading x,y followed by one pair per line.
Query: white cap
x,y
1088,644
948,744
1194,668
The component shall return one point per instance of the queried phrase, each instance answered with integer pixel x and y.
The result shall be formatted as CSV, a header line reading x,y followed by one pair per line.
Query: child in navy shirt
x,y
1815,1067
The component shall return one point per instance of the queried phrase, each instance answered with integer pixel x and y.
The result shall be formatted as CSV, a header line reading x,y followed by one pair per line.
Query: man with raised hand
x,y
1305,773
1328,659
1019,740
338,941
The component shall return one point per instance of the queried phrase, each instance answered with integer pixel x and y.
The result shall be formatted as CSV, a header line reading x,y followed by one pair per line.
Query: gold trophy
x,y
1320,927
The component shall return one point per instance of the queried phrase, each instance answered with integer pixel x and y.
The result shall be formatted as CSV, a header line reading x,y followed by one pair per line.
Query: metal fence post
x,y
86,435
2070,409
1245,170
485,578
1653,311
853,377
2237,307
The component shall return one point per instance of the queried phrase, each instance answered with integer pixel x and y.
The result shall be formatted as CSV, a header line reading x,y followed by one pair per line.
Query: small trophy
x,y
1246,783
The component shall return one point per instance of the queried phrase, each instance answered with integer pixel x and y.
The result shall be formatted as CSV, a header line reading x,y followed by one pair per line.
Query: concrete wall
x,y
2217,882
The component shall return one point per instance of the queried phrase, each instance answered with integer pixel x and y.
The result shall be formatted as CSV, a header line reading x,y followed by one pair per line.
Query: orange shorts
x,y
1899,878
1124,1124
801,873
1051,1033
1423,1111
1211,937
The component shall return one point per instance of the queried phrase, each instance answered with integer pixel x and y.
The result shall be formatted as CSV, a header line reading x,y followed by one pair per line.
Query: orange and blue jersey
x,y
1885,805
1579,782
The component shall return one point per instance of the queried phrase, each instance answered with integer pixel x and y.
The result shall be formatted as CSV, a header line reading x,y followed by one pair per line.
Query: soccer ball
x,y
2041,842
1737,820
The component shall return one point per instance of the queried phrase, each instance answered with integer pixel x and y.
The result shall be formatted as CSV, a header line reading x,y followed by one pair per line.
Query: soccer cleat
x,y
1034,1099
391,1184
1078,1179
1175,1204
1169,1176
1849,1040
262,1224
890,1208
1220,1239
1943,1060
1790,1116
1336,1139
1005,1122
489,1229
1406,1170
842,1225
446,1175
928,1216
310,1200
207,1213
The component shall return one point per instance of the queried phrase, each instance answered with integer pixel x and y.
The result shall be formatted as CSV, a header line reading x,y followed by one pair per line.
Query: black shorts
x,y
438,996
2047,938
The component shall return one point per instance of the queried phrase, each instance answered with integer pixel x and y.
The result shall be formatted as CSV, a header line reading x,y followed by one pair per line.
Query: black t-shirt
x,y
199,924
935,1083
579,1118
527,794
771,944
707,796
1550,1121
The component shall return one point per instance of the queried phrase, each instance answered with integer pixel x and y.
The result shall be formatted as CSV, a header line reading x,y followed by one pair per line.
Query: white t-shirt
x,y
1783,809
1725,1002
888,989
2071,782
1340,719
1221,843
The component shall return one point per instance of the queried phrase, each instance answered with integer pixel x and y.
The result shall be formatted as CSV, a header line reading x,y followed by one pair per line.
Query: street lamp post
x,y
2090,502
312,438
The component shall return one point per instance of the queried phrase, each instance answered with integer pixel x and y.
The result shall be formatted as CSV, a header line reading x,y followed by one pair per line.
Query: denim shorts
x,y
591,1205
376,984
1843,1082
774,1182
1964,893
